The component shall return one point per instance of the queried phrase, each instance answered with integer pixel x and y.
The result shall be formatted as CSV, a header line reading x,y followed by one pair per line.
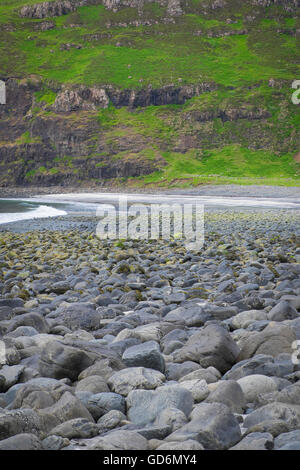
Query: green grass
x,y
231,161
27,139
163,54
46,96
156,59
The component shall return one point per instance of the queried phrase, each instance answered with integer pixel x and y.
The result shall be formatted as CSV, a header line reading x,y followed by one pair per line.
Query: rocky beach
x,y
145,345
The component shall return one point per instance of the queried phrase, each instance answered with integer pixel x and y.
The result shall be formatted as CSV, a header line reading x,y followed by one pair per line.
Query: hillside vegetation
x,y
159,93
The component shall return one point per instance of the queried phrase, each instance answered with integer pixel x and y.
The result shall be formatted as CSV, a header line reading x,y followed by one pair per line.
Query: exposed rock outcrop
x,y
48,9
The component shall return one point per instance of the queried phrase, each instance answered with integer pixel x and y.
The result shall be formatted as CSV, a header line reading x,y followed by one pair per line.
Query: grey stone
x,y
271,426
119,440
78,428
212,425
144,355
21,442
132,378
190,316
244,319
19,422
198,388
276,338
290,395
177,371
211,346
261,364
78,315
110,420
283,311
291,446
253,385
210,375
155,432
59,360
93,384
145,405
55,443
29,319
171,417
11,375
102,403
23,331
255,441
102,368
186,445
286,438
231,394
66,408
274,411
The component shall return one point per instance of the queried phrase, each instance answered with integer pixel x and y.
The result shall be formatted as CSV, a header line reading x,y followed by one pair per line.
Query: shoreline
x,y
209,190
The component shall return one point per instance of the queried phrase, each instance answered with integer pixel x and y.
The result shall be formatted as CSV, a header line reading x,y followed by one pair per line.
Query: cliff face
x,y
99,124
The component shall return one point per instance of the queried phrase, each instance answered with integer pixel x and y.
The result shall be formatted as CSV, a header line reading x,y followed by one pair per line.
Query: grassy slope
x,y
169,53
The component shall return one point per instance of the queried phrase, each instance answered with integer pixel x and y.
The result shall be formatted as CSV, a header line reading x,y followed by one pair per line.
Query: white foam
x,y
39,213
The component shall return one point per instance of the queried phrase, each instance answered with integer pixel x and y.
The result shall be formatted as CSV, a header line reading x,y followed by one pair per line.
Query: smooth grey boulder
x,y
190,316
275,339
155,432
12,303
230,393
59,360
133,378
292,446
274,411
39,393
93,384
255,441
21,442
19,422
32,319
212,425
66,408
144,355
114,440
283,311
171,417
286,438
275,427
253,385
78,315
101,403
289,394
244,319
11,375
78,428
23,331
210,375
144,406
102,368
211,346
187,445
55,443
261,364
110,420
122,440
198,388
177,371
